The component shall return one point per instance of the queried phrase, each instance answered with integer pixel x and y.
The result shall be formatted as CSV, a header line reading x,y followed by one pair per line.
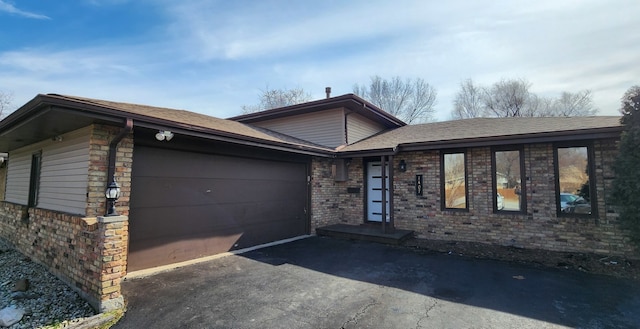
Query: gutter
x,y
128,127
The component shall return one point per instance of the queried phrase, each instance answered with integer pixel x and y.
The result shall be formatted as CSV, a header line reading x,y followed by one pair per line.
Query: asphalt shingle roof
x,y
190,120
468,129
429,133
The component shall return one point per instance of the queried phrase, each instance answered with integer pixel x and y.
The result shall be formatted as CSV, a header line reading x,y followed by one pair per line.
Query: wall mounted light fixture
x,y
112,194
403,166
164,135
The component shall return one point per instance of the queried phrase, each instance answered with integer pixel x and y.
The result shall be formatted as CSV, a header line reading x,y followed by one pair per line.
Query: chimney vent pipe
x,y
328,91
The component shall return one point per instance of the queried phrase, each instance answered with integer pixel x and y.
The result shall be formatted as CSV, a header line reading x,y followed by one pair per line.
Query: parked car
x,y
574,204
579,206
565,199
500,201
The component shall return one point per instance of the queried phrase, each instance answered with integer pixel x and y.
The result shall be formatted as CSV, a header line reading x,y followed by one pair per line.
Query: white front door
x,y
374,191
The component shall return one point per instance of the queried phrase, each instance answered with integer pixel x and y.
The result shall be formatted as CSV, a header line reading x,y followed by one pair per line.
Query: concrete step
x,y
365,232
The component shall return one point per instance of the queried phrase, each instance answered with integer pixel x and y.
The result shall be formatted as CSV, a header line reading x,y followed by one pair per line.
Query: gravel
x,y
48,302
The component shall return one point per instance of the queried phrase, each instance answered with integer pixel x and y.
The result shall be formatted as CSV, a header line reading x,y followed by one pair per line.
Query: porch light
x,y
112,194
403,166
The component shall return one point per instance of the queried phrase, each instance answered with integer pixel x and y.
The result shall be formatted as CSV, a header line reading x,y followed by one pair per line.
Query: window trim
x,y
592,177
34,179
523,179
443,201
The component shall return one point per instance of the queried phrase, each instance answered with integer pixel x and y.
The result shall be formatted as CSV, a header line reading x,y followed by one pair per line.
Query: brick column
x,y
113,232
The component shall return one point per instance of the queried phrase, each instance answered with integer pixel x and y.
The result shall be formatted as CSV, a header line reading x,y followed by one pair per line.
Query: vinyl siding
x,y
359,128
324,128
63,177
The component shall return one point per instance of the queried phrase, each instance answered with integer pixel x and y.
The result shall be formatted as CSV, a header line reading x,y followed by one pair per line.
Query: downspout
x,y
111,171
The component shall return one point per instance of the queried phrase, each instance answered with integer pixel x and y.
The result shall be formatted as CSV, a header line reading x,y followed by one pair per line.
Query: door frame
x,y
389,164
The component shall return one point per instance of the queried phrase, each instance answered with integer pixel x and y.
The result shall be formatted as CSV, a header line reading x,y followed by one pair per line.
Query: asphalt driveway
x,y
328,283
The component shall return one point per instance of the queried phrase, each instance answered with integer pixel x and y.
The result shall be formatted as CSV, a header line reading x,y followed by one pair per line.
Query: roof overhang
x,y
42,118
47,116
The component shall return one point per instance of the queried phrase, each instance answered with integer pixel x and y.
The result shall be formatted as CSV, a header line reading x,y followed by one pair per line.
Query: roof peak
x,y
349,101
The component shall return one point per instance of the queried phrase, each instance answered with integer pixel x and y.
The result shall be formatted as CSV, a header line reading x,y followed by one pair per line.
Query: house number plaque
x,y
418,184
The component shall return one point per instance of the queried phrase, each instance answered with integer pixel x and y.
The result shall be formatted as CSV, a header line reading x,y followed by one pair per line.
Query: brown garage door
x,y
187,205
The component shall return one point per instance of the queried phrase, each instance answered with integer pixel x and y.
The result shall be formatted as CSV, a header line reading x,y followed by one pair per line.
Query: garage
x,y
185,205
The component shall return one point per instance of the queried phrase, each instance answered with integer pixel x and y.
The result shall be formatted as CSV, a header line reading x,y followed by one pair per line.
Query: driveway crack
x,y
358,315
427,309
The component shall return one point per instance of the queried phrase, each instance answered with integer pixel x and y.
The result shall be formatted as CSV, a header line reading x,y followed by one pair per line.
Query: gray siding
x,y
359,128
324,128
63,177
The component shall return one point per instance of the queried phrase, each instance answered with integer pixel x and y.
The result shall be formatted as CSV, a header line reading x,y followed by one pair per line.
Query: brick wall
x,y
538,228
87,252
101,136
331,202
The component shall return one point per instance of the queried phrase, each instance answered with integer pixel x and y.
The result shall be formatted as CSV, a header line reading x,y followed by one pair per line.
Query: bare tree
x,y
571,105
572,162
410,100
455,180
468,102
512,98
274,98
540,106
5,102
508,98
508,164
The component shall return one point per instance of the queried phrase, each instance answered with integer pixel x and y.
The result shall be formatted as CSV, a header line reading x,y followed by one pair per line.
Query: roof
x,y
349,101
67,109
188,119
49,115
487,131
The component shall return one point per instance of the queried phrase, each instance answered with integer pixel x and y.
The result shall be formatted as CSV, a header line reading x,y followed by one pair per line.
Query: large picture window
x,y
508,180
575,195
454,181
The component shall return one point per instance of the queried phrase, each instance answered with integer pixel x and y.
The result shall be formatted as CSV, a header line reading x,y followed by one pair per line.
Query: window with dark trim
x,y
453,184
575,185
507,165
34,179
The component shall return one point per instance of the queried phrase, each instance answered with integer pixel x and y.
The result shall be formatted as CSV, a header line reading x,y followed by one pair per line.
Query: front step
x,y
364,232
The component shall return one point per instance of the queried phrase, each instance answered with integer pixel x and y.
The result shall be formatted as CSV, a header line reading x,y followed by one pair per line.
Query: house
x,y
194,186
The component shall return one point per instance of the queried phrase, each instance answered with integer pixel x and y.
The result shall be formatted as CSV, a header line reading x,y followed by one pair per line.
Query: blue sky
x,y
213,57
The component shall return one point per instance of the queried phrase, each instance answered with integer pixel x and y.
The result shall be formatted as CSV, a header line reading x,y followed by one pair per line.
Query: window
x,y
453,173
508,179
34,179
575,192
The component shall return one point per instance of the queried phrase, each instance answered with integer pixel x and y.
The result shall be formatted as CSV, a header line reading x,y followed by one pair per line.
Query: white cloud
x,y
213,31
9,8
47,62
126,73
214,56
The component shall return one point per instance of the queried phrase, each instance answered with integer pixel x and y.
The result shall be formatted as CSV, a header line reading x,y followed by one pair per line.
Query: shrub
x,y
626,186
